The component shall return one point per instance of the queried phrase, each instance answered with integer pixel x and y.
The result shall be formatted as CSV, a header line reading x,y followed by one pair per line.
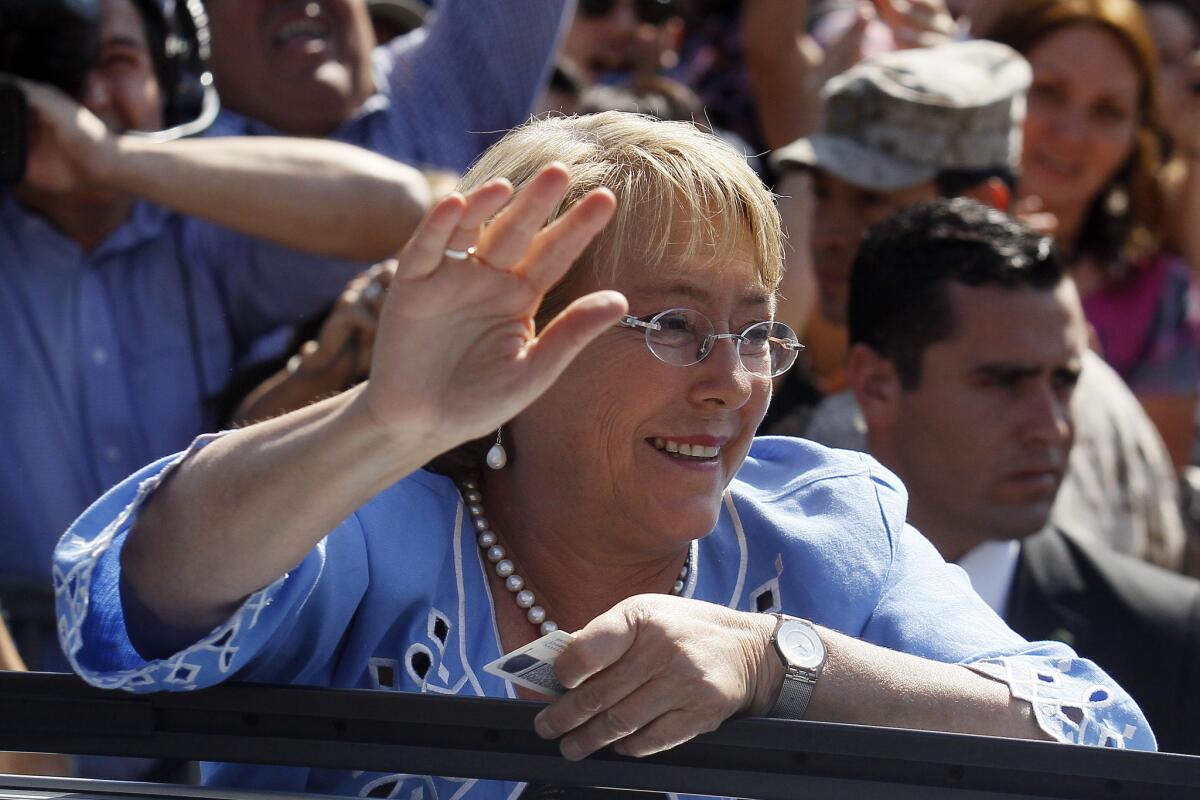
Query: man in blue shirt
x,y
124,321
435,97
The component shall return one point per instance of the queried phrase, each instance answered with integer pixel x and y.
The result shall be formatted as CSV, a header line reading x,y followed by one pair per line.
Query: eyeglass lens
x,y
684,337
652,12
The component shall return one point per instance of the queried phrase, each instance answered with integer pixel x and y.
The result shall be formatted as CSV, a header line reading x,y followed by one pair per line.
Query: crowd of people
x,y
692,327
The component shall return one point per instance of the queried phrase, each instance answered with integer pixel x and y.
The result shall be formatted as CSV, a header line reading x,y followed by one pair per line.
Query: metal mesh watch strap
x,y
798,681
794,694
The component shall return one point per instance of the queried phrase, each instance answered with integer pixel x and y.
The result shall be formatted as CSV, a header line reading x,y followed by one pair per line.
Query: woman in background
x,y
1092,160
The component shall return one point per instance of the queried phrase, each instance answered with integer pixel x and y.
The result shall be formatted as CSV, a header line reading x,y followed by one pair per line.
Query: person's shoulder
x,y
836,517
1087,571
1102,390
1111,423
422,500
837,421
1165,260
792,476
781,465
421,487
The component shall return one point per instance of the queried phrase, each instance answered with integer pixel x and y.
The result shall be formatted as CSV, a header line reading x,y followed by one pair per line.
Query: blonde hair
x,y
670,179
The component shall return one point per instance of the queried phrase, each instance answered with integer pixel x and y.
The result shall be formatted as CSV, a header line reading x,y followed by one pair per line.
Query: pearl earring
x,y
497,456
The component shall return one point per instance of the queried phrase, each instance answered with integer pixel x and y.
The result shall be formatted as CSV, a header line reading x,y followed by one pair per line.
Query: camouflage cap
x,y
902,118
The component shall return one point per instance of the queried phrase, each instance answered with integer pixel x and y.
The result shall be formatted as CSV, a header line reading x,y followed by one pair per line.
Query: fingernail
x,y
570,750
542,727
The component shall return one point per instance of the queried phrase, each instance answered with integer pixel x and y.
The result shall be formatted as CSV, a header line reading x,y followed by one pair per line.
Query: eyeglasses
x,y
684,337
652,12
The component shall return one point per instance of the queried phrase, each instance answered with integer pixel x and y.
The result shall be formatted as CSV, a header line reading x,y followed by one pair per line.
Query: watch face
x,y
800,644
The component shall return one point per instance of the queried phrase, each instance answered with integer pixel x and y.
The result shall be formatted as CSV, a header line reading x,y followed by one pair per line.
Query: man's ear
x,y
992,192
876,386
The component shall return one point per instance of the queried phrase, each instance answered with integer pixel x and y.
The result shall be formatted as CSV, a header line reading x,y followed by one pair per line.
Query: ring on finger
x,y
459,255
473,253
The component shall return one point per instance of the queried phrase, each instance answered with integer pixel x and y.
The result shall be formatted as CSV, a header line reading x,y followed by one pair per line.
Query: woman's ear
x,y
876,386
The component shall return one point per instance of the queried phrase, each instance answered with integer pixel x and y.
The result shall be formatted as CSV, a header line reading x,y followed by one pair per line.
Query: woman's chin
x,y
683,519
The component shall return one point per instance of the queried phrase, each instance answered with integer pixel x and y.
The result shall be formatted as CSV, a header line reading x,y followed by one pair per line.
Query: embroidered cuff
x,y
1072,700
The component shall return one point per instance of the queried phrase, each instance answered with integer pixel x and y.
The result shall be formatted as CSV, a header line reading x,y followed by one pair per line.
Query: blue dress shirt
x,y
114,357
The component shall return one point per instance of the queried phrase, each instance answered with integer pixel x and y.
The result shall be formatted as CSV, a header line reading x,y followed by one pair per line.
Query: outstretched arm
x,y
455,356
787,68
309,194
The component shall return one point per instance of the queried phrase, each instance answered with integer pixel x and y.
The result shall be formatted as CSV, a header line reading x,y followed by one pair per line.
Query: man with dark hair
x,y
967,341
908,127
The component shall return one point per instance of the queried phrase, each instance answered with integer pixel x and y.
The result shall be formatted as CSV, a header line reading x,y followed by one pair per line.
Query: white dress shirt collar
x,y
991,567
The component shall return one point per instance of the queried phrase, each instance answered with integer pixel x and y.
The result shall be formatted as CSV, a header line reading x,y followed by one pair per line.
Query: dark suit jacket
x,y
1140,623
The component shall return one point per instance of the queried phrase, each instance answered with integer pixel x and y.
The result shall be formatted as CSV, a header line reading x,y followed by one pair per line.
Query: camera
x,y
58,41
53,41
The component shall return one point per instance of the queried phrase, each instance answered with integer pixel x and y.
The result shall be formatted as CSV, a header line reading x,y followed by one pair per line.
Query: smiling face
x,y
1082,119
603,434
982,441
302,67
121,87
842,215
619,40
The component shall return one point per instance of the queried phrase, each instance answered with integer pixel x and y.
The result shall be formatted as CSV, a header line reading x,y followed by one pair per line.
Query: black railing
x,y
484,738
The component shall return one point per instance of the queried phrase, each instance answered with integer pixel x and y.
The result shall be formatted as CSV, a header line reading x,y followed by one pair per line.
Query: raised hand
x,y
69,147
457,354
787,67
657,670
917,23
342,350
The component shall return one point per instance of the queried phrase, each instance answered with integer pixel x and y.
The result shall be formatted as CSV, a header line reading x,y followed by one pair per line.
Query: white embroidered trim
x,y
72,591
1070,711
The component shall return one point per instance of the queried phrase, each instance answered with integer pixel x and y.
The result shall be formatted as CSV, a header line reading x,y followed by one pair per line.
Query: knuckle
x,y
589,700
709,723
616,725
649,743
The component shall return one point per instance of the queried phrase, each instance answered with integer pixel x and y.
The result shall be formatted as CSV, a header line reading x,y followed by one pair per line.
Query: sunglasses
x,y
652,12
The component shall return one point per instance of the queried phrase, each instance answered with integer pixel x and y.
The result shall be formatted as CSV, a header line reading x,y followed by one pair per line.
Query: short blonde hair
x,y
669,178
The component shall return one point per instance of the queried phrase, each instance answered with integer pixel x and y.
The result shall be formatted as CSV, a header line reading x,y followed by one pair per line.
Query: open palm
x,y
456,351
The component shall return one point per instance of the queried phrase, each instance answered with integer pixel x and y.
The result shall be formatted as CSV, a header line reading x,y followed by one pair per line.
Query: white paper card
x,y
532,666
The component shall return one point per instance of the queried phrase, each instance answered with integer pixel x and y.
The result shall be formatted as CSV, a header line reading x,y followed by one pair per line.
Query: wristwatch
x,y
803,654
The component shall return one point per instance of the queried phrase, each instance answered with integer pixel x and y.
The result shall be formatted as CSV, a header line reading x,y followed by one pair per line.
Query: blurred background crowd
x,y
201,201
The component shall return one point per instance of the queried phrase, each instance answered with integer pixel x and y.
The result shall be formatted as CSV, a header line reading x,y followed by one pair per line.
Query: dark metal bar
x,y
485,738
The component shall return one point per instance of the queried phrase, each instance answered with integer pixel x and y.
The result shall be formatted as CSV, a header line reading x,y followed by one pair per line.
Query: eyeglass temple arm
x,y
633,322
790,344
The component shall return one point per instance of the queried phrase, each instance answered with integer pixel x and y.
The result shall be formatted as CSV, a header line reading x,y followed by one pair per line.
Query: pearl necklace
x,y
498,557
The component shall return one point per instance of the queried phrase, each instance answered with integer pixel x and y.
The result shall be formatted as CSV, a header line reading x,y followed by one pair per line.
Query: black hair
x,y
899,303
